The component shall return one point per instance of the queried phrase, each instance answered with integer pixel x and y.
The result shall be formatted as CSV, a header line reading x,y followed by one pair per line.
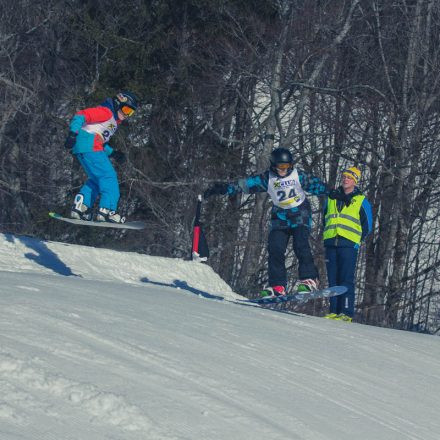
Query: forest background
x,y
222,83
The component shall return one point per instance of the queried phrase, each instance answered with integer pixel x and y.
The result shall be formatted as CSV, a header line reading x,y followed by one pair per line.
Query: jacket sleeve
x,y
311,184
108,150
366,215
324,212
249,185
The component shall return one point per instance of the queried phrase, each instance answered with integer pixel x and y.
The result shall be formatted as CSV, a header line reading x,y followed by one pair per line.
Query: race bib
x,y
286,192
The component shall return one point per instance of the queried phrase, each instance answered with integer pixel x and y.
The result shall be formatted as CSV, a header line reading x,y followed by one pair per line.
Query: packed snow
x,y
98,344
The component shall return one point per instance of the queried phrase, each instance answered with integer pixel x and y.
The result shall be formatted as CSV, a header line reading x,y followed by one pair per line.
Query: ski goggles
x,y
128,111
283,166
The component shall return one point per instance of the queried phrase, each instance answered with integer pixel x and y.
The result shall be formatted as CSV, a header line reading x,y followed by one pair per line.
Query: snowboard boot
x,y
79,210
343,317
330,316
339,317
270,292
105,215
305,286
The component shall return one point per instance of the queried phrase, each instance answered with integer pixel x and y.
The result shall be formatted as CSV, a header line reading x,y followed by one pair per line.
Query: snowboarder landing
x,y
90,131
291,216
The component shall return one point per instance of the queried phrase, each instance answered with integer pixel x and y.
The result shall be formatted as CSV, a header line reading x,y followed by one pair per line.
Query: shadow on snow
x,y
43,256
178,284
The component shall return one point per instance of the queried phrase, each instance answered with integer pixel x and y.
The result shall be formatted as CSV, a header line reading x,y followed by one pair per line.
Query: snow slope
x,y
97,344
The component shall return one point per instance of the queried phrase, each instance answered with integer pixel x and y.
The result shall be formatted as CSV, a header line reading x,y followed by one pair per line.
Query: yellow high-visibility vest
x,y
345,223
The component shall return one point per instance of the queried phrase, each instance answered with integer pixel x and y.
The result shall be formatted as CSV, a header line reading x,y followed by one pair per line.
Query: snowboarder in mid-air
x,y
291,217
90,131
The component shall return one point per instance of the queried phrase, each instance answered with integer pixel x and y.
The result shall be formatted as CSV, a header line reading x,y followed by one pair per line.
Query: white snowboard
x,y
128,225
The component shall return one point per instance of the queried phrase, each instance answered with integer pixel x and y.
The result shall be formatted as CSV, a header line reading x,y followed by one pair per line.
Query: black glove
x,y
335,194
217,189
339,194
118,156
70,140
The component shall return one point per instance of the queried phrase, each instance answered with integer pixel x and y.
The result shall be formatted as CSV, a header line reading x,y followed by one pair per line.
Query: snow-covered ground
x,y
97,344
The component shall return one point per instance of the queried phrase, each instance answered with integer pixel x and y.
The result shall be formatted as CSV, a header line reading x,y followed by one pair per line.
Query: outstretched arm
x,y
247,185
313,185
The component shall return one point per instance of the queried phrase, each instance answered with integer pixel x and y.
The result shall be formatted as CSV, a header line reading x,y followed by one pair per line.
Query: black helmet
x,y
125,99
281,156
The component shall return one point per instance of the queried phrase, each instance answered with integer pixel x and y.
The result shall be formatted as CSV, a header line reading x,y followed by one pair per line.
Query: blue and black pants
x,y
341,268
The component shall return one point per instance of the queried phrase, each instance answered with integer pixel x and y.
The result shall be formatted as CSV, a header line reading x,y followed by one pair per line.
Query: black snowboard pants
x,y
277,246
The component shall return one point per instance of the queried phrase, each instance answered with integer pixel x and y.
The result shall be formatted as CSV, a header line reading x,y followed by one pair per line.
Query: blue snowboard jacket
x,y
283,218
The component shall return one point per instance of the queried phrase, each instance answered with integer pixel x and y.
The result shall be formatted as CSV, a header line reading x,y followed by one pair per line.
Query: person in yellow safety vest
x,y
346,224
